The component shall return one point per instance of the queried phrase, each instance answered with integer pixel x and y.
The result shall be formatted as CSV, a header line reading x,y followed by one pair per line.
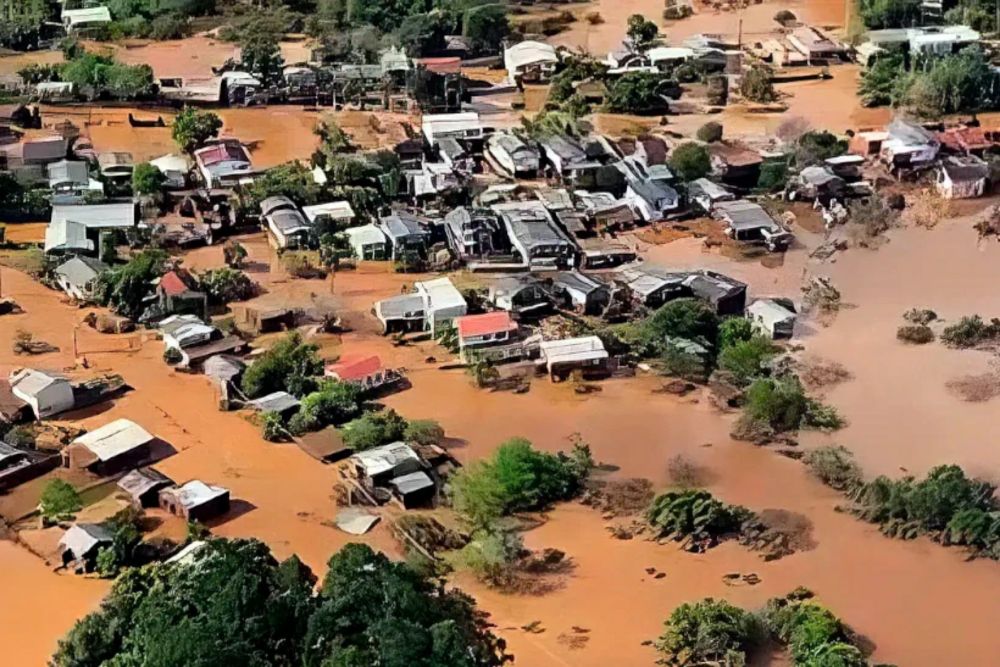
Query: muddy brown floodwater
x,y
918,603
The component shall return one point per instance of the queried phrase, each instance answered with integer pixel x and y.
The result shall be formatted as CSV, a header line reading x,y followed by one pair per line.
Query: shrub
x,y
686,318
694,515
709,632
192,128
594,18
492,555
289,365
812,633
373,429
147,179
971,331
834,466
677,12
735,330
59,499
223,285
423,432
172,356
682,360
920,316
517,477
778,403
168,26
756,85
272,428
333,402
785,16
747,359
710,132
690,161
918,334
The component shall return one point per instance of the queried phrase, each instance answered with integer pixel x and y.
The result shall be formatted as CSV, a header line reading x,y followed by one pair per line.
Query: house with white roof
x,y
77,227
47,394
367,242
432,305
530,61
81,19
561,357
117,445
464,126
195,500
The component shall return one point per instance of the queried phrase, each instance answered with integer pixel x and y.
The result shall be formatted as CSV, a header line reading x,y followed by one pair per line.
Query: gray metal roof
x,y
66,171
96,216
412,482
142,480
279,401
401,223
405,305
79,271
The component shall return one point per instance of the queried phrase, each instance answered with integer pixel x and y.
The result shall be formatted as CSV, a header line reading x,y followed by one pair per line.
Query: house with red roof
x,y
175,296
223,163
365,371
492,336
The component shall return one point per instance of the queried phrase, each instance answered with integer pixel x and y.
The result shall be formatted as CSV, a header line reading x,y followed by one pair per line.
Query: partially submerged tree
x,y
690,161
192,128
288,365
709,632
59,499
641,31
756,85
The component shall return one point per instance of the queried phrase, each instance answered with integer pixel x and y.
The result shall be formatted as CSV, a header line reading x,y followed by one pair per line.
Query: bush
x,y
835,466
778,403
878,14
168,26
517,477
272,428
59,500
756,85
373,429
492,555
690,161
920,316
710,132
709,632
971,331
172,356
192,128
224,285
332,403
637,93
696,516
773,175
681,361
785,16
747,359
423,432
677,12
147,179
816,147
812,633
289,365
686,318
918,334
594,18
735,330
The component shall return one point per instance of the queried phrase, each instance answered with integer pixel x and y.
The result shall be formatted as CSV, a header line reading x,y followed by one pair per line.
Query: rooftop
x,y
485,323
354,367
397,456
114,439
195,493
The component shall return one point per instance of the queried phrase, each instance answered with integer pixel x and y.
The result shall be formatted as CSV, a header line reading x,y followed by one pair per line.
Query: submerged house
x,y
735,164
726,295
579,292
143,486
908,146
77,228
962,177
79,545
491,336
364,371
432,305
774,317
287,225
533,234
176,297
195,500
513,155
407,234
475,233
519,294
748,222
652,287
70,182
117,445
397,469
367,242
706,194
47,394
562,357
530,61
224,163
78,277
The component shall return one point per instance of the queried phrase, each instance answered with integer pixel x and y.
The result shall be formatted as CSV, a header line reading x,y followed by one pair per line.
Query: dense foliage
x,y
709,632
332,402
946,504
98,76
373,429
971,331
289,365
124,288
814,147
637,93
756,85
147,179
878,14
224,285
747,359
813,634
694,516
59,499
780,404
690,161
835,466
237,605
192,128
518,477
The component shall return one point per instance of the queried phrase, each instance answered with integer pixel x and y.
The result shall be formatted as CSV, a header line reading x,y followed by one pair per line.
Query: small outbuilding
x,y
962,177
79,545
78,277
367,242
562,357
774,317
195,500
143,486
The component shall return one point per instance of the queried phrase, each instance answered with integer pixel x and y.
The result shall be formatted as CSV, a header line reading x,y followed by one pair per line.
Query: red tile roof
x,y
354,367
172,284
487,323
221,152
964,138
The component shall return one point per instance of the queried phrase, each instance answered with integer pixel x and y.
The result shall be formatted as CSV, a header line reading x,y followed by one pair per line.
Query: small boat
x,y
138,122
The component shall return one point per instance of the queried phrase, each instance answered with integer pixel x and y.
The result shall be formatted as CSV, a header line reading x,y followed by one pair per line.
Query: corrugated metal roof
x,y
114,439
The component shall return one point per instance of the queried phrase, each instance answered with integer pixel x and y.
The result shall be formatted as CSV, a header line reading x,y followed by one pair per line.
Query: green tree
x,y
695,515
814,147
735,330
690,161
773,174
260,55
878,14
835,466
756,84
193,128
129,82
289,365
960,83
779,403
224,285
485,27
709,632
125,288
333,402
373,429
637,93
423,432
59,499
686,318
292,179
641,31
748,359
710,132
147,179
884,81
272,428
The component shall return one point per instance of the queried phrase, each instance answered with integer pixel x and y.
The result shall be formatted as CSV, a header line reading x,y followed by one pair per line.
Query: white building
x,y
48,395
79,19
569,353
78,277
367,241
772,317
465,125
340,211
530,61
515,156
